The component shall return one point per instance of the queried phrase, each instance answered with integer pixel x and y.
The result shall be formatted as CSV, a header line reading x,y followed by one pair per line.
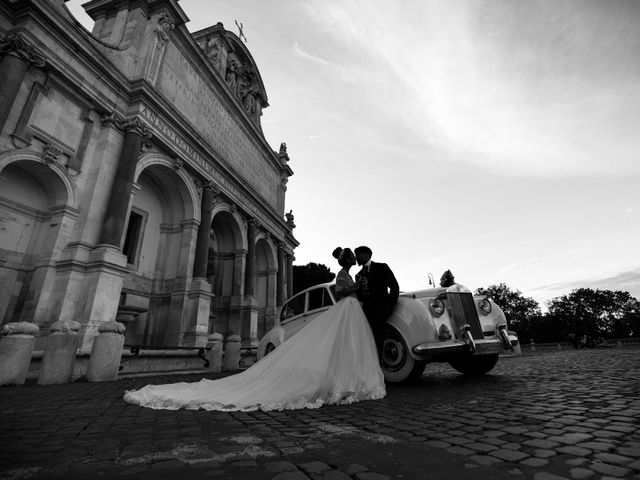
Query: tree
x,y
522,312
597,313
305,276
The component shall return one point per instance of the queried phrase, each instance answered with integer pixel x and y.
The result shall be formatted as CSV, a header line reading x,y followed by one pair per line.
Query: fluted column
x,y
281,275
118,205
17,57
202,246
250,265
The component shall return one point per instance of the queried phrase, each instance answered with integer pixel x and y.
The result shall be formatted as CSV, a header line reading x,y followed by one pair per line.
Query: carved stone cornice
x,y
13,44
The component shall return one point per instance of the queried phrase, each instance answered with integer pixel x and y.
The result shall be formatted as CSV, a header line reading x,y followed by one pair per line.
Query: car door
x,y
292,314
318,301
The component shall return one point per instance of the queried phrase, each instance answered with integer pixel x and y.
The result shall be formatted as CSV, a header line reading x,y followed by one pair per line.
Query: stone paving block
x,y
535,462
634,465
460,450
613,459
458,440
509,455
597,446
607,469
547,476
543,453
621,428
314,467
485,459
334,475
371,476
480,447
573,450
570,438
581,473
578,462
355,468
437,444
539,443
297,475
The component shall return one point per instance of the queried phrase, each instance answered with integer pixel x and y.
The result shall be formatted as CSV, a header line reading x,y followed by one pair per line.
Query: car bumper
x,y
429,350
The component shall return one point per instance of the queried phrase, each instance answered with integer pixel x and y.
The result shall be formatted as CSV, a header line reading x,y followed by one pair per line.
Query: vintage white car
x,y
431,325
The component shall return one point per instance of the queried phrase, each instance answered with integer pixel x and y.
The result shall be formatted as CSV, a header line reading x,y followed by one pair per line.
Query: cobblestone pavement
x,y
570,414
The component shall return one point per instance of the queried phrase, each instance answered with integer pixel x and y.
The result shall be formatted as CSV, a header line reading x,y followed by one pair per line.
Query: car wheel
x,y
474,365
397,363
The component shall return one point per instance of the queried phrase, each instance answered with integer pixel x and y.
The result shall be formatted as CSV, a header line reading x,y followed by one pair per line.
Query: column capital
x,y
13,44
131,124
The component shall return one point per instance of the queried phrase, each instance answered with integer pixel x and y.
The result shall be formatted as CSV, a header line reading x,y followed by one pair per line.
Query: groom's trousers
x,y
377,315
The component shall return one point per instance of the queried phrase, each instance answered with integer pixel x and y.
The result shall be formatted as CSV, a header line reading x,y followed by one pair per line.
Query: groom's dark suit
x,y
378,298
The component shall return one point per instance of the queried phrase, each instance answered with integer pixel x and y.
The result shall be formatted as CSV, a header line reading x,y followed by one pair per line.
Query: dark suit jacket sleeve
x,y
392,283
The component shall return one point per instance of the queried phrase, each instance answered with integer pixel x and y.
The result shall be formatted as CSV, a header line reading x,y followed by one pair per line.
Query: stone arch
x,y
159,244
265,283
37,214
225,268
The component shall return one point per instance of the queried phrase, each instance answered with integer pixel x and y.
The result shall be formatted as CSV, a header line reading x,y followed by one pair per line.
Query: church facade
x,y
135,180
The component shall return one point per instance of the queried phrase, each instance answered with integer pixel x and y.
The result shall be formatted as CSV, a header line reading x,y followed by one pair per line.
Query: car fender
x,y
274,336
414,323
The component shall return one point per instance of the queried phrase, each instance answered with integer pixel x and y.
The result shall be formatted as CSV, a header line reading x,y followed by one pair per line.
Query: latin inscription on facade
x,y
184,87
205,166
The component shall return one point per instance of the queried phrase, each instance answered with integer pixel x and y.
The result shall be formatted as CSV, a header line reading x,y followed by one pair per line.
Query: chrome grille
x,y
463,311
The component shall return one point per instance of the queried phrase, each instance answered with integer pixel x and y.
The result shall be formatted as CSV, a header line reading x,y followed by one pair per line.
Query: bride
x,y
332,360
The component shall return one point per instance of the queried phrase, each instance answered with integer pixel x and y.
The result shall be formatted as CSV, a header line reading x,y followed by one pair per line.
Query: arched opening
x,y
157,245
223,270
265,273
33,209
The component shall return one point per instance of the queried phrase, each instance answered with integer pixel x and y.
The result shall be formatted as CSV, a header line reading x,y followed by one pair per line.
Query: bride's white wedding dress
x,y
332,360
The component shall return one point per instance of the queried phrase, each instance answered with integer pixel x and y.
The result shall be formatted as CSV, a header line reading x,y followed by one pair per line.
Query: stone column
x,y
281,276
17,56
250,265
202,245
289,276
16,348
106,352
59,353
118,206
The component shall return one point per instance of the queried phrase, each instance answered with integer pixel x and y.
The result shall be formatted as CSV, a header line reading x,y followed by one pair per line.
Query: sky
x,y
497,139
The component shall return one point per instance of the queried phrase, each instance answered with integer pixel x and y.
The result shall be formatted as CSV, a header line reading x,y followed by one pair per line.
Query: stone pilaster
x,y
280,297
17,56
289,276
202,245
250,266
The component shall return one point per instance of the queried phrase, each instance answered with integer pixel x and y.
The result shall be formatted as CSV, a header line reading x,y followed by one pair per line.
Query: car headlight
x,y
485,306
436,306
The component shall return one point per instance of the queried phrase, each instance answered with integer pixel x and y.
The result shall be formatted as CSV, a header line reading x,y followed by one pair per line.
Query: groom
x,y
378,293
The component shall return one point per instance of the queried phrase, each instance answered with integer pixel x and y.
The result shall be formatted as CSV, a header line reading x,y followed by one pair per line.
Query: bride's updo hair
x,y
341,254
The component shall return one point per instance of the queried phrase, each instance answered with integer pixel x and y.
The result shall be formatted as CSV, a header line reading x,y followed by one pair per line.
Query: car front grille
x,y
463,311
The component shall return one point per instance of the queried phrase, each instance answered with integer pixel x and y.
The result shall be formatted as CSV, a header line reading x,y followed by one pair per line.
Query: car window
x,y
293,307
327,301
315,298
319,298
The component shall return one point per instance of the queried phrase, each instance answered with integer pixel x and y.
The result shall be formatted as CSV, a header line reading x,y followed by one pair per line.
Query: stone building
x,y
135,180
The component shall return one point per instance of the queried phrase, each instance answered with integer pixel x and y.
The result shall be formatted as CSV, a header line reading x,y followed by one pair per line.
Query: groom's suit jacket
x,y
383,288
